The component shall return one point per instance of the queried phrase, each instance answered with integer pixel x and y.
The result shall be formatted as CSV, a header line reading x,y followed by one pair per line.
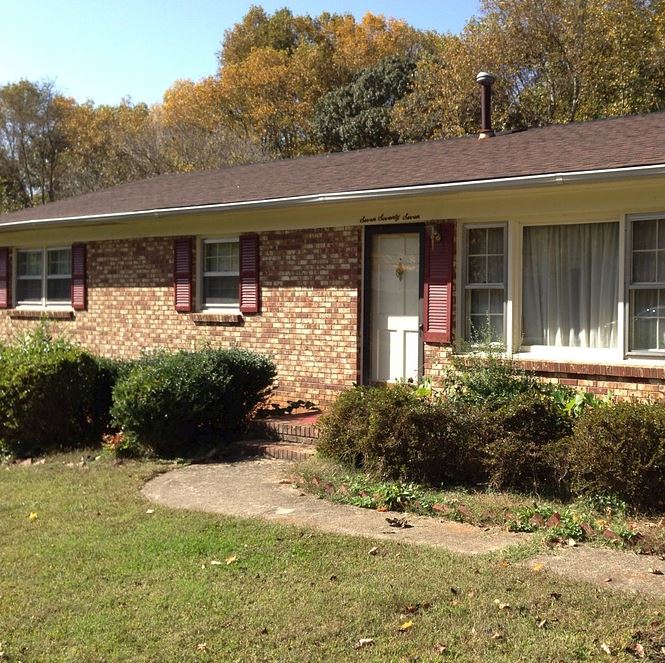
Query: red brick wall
x,y
310,282
620,380
309,323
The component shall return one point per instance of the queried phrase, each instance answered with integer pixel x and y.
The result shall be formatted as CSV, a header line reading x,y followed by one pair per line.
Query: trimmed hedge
x,y
620,451
533,442
393,432
53,395
524,449
167,401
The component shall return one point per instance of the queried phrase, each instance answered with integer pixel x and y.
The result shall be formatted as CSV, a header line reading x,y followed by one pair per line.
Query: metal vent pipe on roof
x,y
485,80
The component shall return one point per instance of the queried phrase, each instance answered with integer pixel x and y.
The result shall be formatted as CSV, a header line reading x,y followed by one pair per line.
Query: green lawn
x,y
96,578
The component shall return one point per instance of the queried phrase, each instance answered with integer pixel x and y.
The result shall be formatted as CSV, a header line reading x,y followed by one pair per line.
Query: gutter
x,y
574,177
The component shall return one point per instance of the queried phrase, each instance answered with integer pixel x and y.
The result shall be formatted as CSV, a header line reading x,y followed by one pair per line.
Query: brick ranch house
x,y
368,266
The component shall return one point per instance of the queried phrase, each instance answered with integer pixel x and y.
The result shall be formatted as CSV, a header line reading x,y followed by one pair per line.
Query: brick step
x,y
279,450
294,429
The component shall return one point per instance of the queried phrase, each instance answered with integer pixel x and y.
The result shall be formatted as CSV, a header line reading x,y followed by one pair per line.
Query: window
x,y
647,285
44,276
484,279
570,285
220,272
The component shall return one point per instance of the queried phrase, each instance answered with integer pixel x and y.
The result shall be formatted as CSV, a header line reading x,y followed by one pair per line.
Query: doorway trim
x,y
370,234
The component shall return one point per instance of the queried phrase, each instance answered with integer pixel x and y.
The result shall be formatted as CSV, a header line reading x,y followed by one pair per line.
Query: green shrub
x,y
524,444
49,395
620,450
394,433
344,428
487,379
167,401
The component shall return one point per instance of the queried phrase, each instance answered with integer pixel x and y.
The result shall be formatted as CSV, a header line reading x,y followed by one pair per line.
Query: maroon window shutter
x,y
182,273
78,277
438,286
249,274
5,279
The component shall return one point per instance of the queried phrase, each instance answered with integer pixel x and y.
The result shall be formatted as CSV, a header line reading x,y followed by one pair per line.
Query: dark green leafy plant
x,y
169,401
620,451
487,378
52,395
524,449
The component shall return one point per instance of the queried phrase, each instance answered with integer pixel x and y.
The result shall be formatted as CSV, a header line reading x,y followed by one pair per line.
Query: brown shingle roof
x,y
613,143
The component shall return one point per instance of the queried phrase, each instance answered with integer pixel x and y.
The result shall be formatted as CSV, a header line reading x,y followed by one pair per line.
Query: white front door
x,y
394,310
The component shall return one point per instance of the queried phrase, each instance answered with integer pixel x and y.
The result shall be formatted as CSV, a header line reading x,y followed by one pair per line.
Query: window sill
x,y
41,314
622,368
205,318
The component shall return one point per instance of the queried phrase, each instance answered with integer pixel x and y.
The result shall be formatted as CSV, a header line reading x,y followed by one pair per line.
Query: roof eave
x,y
547,179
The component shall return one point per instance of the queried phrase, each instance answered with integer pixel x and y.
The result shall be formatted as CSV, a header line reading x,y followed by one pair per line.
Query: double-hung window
x,y
44,277
220,274
484,283
646,287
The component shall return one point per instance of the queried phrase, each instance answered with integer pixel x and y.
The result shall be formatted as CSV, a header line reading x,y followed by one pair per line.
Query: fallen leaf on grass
x,y
501,606
542,623
406,626
496,636
572,543
373,551
537,567
202,646
231,560
638,650
364,642
215,562
150,511
606,649
440,649
32,516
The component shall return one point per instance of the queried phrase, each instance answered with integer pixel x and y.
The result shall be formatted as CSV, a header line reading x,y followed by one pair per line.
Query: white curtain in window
x,y
571,285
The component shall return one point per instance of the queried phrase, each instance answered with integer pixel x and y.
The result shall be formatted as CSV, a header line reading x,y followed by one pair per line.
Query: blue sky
x,y
104,50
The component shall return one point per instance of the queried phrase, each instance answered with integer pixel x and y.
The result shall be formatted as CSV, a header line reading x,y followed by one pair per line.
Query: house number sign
x,y
390,218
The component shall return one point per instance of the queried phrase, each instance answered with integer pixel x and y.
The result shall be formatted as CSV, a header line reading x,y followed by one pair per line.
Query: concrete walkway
x,y
252,489
255,489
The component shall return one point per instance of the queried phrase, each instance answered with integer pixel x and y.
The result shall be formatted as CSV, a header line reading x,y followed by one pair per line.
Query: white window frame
x,y
629,287
465,286
44,302
201,274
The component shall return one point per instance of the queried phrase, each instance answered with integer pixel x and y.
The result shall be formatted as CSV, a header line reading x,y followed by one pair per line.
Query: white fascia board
x,y
574,177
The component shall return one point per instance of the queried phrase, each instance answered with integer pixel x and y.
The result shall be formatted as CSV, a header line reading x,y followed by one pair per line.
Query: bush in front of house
x,y
619,450
394,433
525,448
488,379
168,401
50,395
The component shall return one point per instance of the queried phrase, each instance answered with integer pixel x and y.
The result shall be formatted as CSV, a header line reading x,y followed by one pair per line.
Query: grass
x,y
514,511
95,577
